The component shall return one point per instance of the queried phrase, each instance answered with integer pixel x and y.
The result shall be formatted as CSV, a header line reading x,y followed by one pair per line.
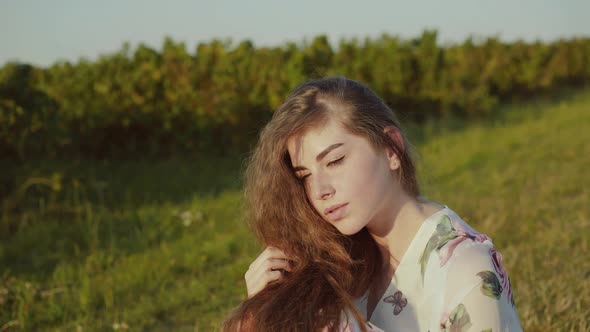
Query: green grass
x,y
161,245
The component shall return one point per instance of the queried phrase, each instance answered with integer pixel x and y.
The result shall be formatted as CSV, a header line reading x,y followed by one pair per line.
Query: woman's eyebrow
x,y
320,156
327,150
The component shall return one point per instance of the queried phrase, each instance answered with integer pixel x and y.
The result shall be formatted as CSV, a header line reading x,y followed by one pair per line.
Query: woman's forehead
x,y
309,144
319,134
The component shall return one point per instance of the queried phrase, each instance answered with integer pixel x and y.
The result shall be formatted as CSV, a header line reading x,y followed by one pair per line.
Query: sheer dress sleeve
x,y
478,295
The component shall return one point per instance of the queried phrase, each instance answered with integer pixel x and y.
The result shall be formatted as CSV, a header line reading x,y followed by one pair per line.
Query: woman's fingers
x,y
268,254
271,276
267,267
257,283
278,264
261,282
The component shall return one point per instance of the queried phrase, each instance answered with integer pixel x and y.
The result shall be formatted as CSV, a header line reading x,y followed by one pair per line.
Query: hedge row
x,y
145,101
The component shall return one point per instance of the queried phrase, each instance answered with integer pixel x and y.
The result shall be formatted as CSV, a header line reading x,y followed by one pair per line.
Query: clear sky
x,y
44,31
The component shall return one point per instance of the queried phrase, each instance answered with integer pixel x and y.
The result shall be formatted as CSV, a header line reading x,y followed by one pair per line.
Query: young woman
x,y
351,246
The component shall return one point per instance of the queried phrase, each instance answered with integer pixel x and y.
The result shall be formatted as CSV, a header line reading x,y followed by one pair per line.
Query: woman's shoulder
x,y
467,245
461,255
456,246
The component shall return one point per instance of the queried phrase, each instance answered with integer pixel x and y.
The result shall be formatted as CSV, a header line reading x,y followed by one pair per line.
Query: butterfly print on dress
x,y
398,301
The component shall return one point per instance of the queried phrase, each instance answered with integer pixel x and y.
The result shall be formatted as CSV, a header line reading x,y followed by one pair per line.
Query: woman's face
x,y
347,181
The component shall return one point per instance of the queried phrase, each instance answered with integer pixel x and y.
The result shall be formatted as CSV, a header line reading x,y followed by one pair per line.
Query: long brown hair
x,y
330,268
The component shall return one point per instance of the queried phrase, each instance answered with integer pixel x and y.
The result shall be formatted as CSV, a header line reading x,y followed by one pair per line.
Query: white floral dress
x,y
450,279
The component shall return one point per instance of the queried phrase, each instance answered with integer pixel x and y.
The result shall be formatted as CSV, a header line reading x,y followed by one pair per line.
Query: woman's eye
x,y
336,162
302,178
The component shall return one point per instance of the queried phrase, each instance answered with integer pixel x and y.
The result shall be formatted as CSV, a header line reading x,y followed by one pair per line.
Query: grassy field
x,y
161,245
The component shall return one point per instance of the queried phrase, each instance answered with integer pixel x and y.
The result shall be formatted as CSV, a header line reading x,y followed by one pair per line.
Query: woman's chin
x,y
348,229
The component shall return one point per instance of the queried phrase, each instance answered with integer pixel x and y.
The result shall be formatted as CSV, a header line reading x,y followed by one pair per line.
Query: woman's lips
x,y
336,212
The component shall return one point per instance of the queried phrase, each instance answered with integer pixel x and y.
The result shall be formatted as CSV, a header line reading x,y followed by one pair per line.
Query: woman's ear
x,y
398,141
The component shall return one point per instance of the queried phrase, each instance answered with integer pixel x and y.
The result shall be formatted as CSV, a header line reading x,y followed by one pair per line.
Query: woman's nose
x,y
324,188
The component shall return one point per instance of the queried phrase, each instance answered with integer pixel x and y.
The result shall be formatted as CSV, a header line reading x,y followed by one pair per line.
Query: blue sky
x,y
42,32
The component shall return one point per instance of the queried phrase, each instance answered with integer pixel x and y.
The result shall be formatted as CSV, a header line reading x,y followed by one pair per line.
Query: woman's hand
x,y
268,266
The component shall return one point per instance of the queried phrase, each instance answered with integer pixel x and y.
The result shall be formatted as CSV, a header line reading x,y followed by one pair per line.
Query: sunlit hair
x,y
331,269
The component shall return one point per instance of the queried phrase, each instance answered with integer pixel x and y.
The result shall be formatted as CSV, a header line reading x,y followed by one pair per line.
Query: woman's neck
x,y
396,226
393,230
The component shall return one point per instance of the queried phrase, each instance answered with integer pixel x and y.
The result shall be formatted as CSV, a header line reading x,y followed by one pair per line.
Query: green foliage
x,y
149,102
